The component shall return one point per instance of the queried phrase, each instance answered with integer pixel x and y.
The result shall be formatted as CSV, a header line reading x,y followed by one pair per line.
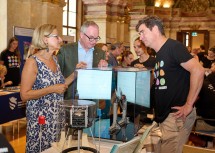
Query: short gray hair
x,y
87,24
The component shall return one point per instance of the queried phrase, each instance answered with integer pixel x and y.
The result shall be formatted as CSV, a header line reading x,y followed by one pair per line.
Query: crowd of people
x,y
47,79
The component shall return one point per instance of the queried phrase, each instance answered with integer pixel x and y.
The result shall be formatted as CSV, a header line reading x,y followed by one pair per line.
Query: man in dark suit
x,y
81,54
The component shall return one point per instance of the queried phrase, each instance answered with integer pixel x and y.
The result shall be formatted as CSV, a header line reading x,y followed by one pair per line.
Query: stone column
x,y
109,15
3,25
31,13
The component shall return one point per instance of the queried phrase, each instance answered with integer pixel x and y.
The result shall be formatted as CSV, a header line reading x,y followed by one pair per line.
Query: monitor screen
x,y
94,83
135,85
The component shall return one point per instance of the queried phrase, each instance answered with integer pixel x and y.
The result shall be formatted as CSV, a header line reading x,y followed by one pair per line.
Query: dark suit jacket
x,y
68,59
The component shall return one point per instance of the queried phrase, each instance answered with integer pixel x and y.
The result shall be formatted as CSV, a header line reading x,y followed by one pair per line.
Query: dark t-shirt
x,y
206,102
11,61
206,62
201,55
149,63
172,80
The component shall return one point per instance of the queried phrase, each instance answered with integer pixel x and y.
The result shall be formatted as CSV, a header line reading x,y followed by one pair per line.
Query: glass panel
x,y
65,18
72,19
72,5
65,31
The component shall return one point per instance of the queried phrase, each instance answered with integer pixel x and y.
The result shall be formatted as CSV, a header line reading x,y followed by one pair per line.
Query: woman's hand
x,y
139,66
60,88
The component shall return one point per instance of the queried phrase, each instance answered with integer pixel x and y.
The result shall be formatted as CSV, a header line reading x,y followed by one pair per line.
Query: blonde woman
x,y
43,87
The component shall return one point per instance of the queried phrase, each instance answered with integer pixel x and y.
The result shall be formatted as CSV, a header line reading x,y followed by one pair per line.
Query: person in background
x,y
205,104
43,87
205,107
151,52
209,59
127,58
209,71
11,59
103,47
202,53
194,53
189,49
144,60
179,78
116,50
3,72
81,54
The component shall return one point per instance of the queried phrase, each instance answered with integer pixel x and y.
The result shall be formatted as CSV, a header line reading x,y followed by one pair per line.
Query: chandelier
x,y
164,3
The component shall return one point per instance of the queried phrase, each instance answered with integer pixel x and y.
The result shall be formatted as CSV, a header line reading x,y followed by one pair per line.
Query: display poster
x,y
24,35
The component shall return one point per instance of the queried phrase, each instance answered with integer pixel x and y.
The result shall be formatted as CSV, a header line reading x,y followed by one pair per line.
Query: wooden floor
x,y
15,134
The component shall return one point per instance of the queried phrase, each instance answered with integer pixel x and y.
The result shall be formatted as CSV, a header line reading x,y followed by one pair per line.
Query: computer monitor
x,y
135,85
94,83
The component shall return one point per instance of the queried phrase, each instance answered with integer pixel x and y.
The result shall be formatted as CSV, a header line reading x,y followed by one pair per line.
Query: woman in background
x,y
3,72
43,87
209,59
144,60
10,57
127,58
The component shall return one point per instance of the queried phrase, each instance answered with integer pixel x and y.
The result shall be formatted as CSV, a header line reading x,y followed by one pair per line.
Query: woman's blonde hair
x,y
3,69
39,33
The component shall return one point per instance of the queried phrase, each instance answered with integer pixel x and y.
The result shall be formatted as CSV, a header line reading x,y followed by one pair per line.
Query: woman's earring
x,y
47,49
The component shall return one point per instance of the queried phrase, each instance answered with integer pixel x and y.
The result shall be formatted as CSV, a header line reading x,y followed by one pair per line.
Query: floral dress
x,y
48,106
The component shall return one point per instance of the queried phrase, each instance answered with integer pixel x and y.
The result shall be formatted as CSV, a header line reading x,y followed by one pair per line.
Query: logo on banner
x,y
13,103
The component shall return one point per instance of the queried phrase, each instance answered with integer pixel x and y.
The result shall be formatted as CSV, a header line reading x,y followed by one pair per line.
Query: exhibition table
x,y
12,107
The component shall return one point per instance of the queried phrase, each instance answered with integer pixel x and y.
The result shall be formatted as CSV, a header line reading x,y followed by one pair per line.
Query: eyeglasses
x,y
53,35
91,39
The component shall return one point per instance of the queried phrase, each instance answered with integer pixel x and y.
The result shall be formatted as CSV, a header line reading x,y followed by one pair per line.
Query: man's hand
x,y
81,65
183,111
